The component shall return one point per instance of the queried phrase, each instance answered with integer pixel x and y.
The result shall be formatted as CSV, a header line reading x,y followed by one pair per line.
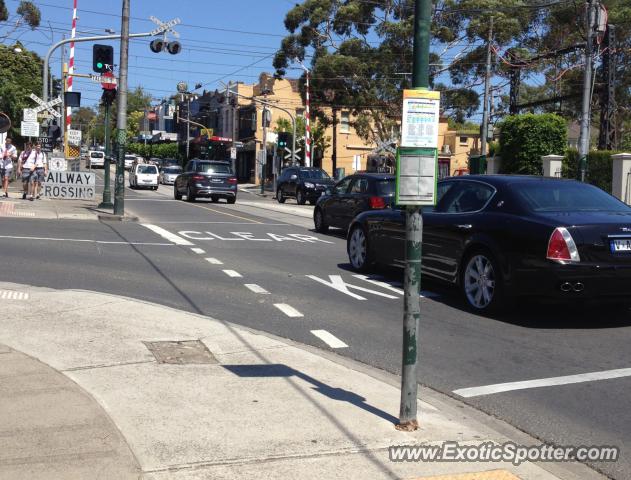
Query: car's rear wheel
x,y
232,200
214,199
279,196
190,196
318,221
481,282
357,247
300,197
176,194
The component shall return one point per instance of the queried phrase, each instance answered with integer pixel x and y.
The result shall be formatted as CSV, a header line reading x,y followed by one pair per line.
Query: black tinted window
x,y
172,170
342,186
566,196
314,174
464,197
360,185
213,168
386,188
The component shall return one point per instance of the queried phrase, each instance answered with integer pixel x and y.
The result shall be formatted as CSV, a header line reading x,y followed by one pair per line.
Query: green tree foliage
x,y
27,13
599,167
319,140
137,101
160,150
524,139
21,76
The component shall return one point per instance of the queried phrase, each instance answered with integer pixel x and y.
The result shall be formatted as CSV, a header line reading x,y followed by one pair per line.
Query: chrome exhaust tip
x,y
566,287
578,287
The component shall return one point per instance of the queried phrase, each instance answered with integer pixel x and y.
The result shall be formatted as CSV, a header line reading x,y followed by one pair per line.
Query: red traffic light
x,y
156,46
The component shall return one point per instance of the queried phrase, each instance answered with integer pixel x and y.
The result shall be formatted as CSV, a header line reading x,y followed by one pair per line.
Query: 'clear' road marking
x,y
199,251
543,382
232,273
9,295
256,288
171,237
288,310
379,284
214,261
337,283
330,339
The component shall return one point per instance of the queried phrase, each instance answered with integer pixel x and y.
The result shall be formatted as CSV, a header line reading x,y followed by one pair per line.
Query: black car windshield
x,y
386,188
567,197
172,170
314,174
213,168
147,169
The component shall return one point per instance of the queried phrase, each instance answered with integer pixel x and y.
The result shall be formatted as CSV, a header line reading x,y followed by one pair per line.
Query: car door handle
x,y
466,226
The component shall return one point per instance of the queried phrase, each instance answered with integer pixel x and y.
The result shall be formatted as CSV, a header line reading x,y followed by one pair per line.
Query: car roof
x,y
374,175
503,180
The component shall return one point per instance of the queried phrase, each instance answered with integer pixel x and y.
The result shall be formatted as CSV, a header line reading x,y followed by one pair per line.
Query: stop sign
x,y
108,85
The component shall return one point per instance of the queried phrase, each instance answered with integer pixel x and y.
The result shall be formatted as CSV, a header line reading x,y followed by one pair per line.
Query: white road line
x,y
288,310
380,284
330,339
256,288
232,273
83,240
225,223
199,251
543,382
214,261
171,237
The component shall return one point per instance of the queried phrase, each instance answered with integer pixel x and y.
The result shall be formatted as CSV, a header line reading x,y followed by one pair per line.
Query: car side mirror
x,y
330,190
293,177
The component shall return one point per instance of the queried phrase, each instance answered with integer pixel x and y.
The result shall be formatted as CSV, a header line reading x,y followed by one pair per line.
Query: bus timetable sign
x,y
70,185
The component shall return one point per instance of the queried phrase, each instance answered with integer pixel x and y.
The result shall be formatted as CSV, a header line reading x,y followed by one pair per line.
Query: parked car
x,y
129,161
351,196
95,158
497,237
206,178
143,175
169,174
302,183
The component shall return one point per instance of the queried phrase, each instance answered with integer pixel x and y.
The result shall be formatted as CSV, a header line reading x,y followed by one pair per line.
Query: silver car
x,y
169,174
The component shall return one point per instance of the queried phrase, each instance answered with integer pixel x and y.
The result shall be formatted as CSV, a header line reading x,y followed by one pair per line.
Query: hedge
x,y
599,167
160,150
524,139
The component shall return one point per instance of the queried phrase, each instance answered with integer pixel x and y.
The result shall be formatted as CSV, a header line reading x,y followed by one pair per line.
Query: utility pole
x,y
264,156
334,151
188,126
583,143
485,111
121,121
413,241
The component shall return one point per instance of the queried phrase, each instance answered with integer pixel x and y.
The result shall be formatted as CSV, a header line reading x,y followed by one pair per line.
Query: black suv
x,y
303,183
206,178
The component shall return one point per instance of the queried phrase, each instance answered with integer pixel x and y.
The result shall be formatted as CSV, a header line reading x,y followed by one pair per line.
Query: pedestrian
x,y
26,169
41,170
8,154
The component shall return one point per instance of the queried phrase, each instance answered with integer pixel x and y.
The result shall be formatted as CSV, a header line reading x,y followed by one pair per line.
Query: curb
x,y
109,217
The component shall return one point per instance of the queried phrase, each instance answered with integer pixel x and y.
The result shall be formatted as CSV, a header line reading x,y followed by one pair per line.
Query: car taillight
x,y
561,247
198,177
232,181
377,203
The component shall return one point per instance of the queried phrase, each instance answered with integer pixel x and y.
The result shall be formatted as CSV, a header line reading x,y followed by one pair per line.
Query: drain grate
x,y
181,352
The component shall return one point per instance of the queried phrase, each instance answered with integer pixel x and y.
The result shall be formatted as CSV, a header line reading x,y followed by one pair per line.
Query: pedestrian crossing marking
x,y
11,295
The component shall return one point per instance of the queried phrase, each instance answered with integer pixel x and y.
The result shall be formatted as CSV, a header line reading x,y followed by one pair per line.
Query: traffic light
x,y
108,96
102,58
284,139
174,48
156,46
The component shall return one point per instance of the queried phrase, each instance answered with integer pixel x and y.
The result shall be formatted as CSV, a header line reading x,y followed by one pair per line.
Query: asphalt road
x,y
263,269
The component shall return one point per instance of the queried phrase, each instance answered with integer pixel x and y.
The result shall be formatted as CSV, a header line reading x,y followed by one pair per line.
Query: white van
x,y
95,159
144,175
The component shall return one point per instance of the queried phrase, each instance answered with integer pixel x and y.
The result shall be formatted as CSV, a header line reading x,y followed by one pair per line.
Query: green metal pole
x,y
107,193
413,241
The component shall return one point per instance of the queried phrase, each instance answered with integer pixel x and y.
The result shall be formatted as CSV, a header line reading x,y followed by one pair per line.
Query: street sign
x,y
46,142
74,137
288,156
57,164
165,27
29,115
233,153
46,105
30,129
70,185
108,81
44,116
421,119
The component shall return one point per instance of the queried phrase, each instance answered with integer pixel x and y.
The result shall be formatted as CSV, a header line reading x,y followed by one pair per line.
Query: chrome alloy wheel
x,y
357,251
479,281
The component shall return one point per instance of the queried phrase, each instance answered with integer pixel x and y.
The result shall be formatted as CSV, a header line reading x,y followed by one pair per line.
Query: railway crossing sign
x,y
288,155
163,27
48,106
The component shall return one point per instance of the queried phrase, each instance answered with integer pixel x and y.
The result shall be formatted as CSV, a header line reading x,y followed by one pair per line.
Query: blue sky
x,y
221,40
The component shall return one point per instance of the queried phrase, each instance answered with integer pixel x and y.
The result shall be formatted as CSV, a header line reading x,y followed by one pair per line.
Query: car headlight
x,y
309,185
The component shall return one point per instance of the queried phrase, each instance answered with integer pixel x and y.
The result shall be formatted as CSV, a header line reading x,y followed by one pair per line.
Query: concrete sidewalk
x,y
197,398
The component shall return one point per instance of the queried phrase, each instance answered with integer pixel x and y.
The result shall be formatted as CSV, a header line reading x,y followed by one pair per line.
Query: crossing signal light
x,y
174,48
102,58
284,138
156,46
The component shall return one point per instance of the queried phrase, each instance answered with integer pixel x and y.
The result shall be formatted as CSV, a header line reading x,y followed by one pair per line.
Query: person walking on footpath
x,y
26,169
41,170
8,153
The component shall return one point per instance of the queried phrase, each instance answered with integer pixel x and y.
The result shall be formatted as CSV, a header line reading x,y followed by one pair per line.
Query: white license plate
x,y
216,180
621,245
147,181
